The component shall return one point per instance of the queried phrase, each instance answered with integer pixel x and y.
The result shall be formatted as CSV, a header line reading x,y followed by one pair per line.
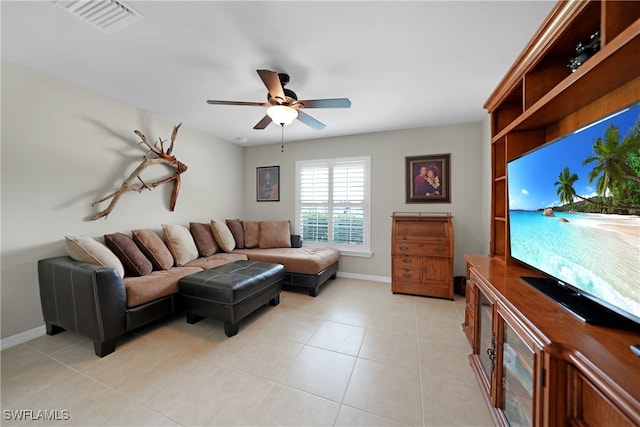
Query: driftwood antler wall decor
x,y
134,182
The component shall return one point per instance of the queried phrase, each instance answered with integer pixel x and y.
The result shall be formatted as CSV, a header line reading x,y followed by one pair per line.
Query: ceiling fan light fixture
x,y
282,114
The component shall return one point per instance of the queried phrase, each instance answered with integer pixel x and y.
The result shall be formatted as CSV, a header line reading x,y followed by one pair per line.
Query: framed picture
x,y
428,179
268,184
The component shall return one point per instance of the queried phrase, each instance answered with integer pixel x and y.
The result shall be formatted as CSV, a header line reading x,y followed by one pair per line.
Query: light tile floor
x,y
356,355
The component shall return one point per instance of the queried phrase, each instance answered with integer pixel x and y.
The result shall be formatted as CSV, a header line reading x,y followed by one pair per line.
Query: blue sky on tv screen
x,y
531,177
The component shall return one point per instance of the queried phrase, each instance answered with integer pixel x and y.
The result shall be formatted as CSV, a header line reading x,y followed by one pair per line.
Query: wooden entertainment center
x,y
535,362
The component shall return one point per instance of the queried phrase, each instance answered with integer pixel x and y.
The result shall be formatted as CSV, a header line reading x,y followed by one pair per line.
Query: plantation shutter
x,y
314,202
332,202
347,207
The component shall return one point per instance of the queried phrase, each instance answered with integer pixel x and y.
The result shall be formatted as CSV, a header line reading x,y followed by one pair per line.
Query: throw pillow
x,y
180,243
132,258
251,233
154,248
235,225
88,249
203,238
275,234
223,235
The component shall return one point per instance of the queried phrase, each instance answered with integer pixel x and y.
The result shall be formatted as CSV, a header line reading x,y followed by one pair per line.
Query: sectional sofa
x,y
106,287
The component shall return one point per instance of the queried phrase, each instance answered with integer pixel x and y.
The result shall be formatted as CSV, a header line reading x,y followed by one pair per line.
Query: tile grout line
x,y
100,383
344,394
340,412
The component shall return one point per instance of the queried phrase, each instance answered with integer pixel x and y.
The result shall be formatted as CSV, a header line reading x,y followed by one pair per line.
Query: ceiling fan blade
x,y
266,120
254,104
310,121
272,82
324,103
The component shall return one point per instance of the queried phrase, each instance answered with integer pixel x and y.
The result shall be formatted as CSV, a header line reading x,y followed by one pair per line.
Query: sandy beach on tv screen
x,y
625,225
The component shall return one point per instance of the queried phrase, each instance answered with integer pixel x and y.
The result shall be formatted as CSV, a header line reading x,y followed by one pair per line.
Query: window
x,y
332,203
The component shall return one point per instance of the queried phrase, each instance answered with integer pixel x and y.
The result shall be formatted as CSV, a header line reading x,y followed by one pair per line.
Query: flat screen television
x,y
574,216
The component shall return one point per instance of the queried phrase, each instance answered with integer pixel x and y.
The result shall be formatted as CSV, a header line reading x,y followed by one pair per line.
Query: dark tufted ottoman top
x,y
231,283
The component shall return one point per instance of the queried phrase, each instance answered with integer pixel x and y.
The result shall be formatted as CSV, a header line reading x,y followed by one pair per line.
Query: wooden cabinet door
x,y
436,274
519,377
484,349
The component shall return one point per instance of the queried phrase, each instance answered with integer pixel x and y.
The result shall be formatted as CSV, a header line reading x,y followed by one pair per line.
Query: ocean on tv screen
x,y
574,210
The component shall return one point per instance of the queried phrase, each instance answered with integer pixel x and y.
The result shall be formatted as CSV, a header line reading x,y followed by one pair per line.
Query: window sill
x,y
343,251
361,254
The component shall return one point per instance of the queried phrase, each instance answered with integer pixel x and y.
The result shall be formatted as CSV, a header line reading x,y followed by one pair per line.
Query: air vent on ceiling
x,y
108,16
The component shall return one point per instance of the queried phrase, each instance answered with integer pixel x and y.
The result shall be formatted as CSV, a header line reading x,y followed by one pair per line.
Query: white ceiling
x,y
402,64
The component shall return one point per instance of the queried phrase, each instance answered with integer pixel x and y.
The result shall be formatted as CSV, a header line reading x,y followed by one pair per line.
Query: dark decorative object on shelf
x,y
584,51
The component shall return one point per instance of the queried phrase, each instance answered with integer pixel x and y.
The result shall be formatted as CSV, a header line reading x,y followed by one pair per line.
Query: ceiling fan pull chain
x,y
282,139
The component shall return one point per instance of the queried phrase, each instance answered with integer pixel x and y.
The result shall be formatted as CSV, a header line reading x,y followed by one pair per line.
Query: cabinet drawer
x,y
470,292
406,261
470,296
469,326
423,229
422,248
407,275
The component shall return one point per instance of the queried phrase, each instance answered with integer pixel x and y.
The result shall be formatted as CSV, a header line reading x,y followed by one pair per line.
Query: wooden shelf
x,y
537,101
603,73
540,100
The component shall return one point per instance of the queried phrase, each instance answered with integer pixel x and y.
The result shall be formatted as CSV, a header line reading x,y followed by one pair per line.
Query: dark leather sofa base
x,y
309,282
101,348
84,298
90,300
230,292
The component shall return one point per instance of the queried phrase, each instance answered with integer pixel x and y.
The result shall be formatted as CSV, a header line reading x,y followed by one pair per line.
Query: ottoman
x,y
230,292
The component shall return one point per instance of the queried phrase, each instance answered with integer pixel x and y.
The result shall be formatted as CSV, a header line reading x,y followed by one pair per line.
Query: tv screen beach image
x,y
574,210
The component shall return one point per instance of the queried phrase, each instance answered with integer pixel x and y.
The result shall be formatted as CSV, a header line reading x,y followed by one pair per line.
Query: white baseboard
x,y
23,337
383,279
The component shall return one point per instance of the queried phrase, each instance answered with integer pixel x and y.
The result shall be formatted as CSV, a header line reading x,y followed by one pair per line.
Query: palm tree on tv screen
x,y
612,168
616,172
565,182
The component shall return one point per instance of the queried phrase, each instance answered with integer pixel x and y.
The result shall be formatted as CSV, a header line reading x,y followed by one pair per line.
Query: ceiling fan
x,y
284,106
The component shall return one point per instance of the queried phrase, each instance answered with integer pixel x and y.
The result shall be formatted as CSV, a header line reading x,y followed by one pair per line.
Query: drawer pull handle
x,y
439,249
404,248
407,275
407,261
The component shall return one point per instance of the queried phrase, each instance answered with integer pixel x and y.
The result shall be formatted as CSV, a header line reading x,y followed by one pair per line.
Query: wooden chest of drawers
x,y
422,255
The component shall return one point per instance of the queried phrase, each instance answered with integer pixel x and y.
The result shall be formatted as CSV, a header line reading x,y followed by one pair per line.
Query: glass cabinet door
x,y
486,348
517,379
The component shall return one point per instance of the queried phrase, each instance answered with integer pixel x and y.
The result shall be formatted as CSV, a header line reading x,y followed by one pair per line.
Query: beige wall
x,y
387,151
64,147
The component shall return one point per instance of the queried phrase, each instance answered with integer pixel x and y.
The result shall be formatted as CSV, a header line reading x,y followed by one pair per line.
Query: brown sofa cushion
x,y
216,260
203,238
180,242
235,225
251,233
88,249
155,285
223,235
154,248
305,260
132,258
274,234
